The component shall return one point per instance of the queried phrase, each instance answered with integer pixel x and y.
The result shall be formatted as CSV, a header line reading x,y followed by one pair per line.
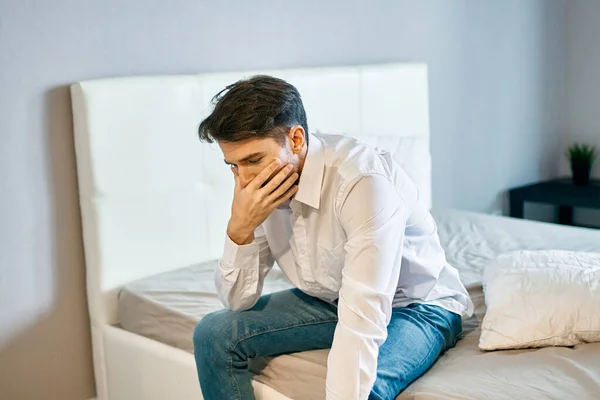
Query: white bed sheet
x,y
168,306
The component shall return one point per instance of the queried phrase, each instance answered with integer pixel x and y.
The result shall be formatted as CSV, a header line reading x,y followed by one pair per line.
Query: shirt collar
x,y
311,179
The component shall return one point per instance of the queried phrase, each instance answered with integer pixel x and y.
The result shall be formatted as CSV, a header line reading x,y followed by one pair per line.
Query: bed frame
x,y
153,198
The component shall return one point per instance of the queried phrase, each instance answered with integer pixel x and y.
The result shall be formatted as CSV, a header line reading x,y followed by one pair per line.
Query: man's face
x,y
249,157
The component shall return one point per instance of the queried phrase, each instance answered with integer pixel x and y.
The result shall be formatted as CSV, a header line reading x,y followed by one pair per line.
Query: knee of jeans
x,y
215,330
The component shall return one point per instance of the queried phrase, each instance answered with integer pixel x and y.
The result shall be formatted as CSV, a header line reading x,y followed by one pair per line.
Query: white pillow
x,y
541,298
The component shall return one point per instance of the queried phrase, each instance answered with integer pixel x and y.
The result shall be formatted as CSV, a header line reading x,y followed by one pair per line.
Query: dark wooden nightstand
x,y
559,192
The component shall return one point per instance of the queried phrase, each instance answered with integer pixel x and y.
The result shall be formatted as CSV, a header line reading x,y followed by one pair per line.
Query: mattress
x,y
167,307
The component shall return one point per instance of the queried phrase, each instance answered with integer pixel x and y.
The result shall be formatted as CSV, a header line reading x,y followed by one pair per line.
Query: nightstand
x,y
559,192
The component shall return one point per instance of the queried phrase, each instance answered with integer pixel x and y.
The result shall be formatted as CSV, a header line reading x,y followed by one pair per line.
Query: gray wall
x,y
497,98
583,74
583,85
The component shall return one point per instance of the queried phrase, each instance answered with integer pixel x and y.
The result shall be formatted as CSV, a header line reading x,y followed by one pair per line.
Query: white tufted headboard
x,y
153,198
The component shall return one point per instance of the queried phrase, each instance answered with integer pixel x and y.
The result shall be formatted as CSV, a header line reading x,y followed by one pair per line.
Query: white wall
x,y
583,86
497,109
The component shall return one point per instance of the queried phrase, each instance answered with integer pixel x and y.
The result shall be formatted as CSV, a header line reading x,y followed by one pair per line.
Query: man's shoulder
x,y
352,158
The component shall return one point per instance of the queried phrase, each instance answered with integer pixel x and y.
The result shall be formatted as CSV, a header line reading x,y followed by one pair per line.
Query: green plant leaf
x,y
581,152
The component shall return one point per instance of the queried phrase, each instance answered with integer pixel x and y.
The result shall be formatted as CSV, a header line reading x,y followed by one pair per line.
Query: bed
x,y
166,307
155,203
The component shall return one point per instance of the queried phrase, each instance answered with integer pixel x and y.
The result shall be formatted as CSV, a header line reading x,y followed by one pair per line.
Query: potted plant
x,y
581,157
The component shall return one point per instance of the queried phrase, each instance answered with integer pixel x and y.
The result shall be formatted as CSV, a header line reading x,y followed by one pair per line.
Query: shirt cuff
x,y
239,256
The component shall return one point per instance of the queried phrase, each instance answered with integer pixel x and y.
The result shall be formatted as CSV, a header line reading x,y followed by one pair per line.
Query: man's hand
x,y
253,204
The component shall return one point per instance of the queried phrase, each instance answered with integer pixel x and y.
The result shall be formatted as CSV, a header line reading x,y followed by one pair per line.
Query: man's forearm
x,y
238,284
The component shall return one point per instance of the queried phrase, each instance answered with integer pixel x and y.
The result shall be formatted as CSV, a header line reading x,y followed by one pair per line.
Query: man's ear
x,y
297,137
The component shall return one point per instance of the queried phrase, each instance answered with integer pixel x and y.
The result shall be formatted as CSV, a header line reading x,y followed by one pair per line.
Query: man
x,y
346,226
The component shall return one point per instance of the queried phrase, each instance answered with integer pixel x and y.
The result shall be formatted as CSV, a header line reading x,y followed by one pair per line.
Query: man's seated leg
x,y
279,323
417,336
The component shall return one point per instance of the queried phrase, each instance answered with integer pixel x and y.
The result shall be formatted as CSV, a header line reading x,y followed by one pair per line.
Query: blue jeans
x,y
291,321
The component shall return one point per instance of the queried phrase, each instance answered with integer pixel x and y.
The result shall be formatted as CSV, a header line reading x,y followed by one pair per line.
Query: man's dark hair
x,y
258,107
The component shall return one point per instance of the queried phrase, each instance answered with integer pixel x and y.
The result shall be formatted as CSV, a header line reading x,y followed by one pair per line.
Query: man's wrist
x,y
240,237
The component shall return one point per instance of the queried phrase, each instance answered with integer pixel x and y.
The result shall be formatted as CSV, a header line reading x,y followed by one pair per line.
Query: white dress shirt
x,y
355,232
